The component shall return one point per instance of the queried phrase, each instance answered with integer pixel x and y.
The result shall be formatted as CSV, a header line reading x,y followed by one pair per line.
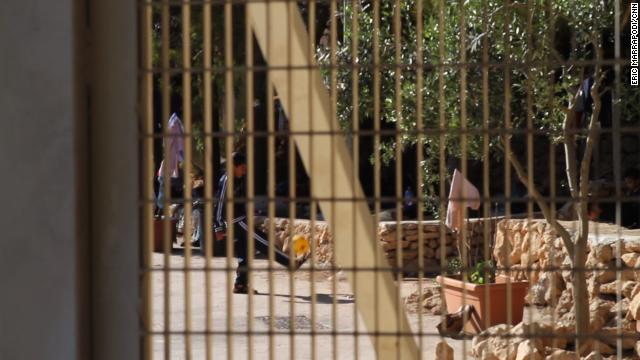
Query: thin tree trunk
x,y
577,255
581,298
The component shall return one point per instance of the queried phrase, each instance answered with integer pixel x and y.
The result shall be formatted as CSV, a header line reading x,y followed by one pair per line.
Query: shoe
x,y
301,262
242,289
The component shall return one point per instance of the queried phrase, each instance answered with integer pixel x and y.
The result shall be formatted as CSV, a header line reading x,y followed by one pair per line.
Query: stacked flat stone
x,y
390,238
434,244
529,248
283,236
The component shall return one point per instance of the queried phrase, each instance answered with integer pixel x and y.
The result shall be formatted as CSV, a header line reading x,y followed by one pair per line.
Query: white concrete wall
x,y
38,310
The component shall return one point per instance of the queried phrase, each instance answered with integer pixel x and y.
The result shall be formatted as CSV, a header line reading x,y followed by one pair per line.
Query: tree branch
x,y
522,175
570,155
608,88
564,109
586,159
569,142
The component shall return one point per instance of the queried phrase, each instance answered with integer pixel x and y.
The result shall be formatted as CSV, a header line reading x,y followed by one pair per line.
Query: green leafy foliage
x,y
454,264
521,49
484,273
195,38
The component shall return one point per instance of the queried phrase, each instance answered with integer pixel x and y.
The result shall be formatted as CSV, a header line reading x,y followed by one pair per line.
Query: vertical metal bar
x,y
208,175
615,136
292,6
271,181
507,147
186,117
529,117
419,170
463,235
488,222
552,194
376,152
441,149
166,201
250,178
334,96
291,160
616,118
146,89
312,203
355,126
229,129
596,163
552,158
397,69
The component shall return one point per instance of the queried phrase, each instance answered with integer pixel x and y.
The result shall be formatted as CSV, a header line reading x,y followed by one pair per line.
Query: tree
x,y
238,48
537,89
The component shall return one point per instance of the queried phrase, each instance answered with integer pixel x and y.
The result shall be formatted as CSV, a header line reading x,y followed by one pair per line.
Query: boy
x,y
240,228
632,179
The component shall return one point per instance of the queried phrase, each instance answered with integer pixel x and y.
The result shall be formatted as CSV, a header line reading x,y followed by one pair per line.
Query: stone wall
x,y
513,240
432,243
387,231
321,236
533,250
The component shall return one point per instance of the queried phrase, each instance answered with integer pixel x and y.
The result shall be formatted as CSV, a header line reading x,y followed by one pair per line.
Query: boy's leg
x,y
159,203
240,244
262,243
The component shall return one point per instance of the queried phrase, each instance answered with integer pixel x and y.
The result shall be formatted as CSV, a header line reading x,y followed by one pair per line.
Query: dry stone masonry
x,y
434,244
283,235
391,239
533,250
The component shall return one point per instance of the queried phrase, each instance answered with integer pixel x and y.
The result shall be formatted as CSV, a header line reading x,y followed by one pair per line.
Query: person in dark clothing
x,y
240,227
602,212
631,208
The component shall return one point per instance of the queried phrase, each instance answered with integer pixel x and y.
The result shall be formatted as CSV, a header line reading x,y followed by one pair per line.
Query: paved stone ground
x,y
288,297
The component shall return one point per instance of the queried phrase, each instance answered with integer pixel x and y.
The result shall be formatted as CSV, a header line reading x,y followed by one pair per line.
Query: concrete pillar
x,y
69,183
40,225
115,184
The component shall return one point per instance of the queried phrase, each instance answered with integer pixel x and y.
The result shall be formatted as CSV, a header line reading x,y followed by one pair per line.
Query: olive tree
x,y
532,57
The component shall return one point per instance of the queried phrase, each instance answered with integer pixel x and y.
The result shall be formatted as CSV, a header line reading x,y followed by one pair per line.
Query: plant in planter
x,y
483,273
495,299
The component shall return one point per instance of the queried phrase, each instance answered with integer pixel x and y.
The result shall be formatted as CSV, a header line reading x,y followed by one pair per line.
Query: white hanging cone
x,y
462,193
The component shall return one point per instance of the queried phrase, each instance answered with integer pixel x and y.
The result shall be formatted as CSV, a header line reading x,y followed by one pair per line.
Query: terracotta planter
x,y
158,234
475,295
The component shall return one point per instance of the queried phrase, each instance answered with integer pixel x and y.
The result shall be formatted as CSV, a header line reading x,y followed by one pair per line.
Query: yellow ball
x,y
300,244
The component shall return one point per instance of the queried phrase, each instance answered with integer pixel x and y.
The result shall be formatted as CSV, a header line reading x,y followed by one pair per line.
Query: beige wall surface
x,y
37,186
68,180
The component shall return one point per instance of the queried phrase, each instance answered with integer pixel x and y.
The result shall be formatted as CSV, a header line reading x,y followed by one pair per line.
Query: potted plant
x,y
502,291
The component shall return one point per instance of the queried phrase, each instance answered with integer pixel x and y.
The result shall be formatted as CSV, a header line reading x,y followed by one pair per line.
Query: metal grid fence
x,y
383,100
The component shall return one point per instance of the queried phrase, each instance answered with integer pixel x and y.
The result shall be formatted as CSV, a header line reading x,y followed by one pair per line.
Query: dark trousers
x,y
261,243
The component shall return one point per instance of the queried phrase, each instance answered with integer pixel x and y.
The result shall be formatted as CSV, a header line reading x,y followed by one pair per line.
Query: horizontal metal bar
x,y
390,66
393,132
329,332
309,200
385,268
179,3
